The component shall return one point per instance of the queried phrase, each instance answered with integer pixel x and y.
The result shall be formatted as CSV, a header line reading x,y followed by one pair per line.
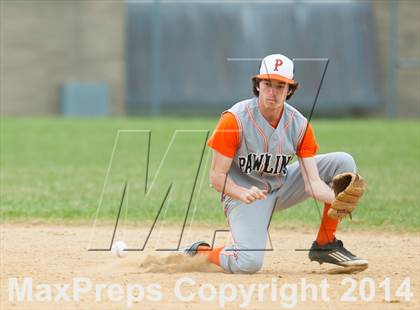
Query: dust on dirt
x,y
59,254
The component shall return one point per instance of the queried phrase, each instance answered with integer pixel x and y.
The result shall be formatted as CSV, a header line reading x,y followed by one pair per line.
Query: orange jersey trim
x,y
226,138
308,146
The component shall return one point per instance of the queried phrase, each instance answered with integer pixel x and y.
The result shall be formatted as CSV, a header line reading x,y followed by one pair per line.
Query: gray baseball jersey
x,y
264,152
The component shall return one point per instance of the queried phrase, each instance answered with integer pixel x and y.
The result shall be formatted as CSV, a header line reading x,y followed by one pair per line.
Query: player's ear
x,y
292,89
255,86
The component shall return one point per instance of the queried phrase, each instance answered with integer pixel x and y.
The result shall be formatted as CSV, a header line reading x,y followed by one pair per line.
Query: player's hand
x,y
249,195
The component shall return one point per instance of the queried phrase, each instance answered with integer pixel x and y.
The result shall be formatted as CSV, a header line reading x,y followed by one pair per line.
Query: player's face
x,y
273,93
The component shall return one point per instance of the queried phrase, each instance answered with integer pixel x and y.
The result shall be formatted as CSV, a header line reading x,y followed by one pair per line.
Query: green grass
x,y
54,170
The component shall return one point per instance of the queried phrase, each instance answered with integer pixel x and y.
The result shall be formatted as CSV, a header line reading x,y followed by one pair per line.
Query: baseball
x,y
119,249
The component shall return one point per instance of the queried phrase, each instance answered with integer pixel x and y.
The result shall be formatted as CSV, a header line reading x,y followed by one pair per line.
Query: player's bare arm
x,y
314,186
223,183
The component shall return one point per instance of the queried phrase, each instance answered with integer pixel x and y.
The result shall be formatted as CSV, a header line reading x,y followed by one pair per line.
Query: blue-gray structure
x,y
198,58
86,99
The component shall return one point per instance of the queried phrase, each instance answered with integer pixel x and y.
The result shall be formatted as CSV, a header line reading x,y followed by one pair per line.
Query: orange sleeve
x,y
308,146
225,138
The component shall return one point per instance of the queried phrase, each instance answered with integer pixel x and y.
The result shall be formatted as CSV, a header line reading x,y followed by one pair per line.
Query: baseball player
x,y
253,145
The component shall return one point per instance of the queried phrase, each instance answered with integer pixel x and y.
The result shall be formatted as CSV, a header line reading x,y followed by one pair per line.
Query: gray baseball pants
x,y
249,222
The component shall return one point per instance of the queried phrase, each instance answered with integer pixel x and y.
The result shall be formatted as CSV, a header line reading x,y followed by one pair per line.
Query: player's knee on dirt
x,y
249,263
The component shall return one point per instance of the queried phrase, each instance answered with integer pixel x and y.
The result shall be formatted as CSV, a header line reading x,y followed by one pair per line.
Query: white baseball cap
x,y
277,67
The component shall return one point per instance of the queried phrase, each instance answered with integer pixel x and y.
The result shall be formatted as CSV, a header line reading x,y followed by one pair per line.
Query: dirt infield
x,y
55,261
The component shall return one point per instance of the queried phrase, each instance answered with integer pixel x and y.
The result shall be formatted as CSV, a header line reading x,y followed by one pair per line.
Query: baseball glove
x,y
348,189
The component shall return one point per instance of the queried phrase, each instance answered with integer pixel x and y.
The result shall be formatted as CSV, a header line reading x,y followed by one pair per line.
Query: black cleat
x,y
192,249
335,253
